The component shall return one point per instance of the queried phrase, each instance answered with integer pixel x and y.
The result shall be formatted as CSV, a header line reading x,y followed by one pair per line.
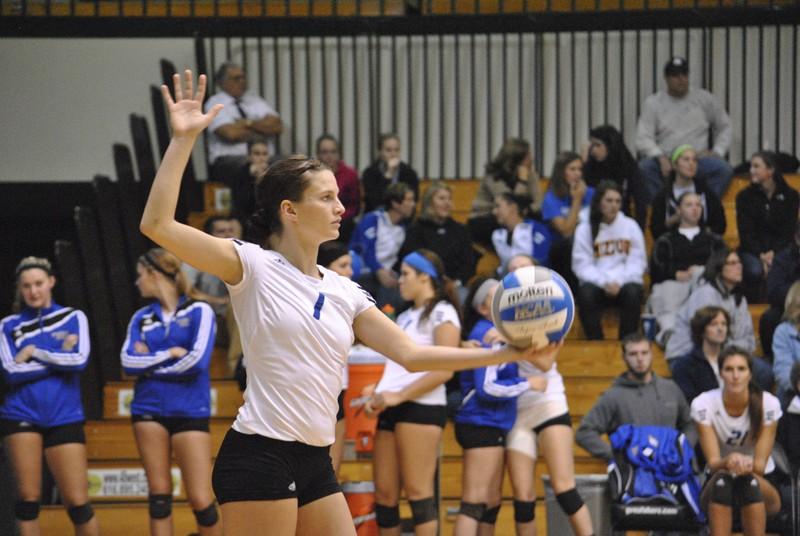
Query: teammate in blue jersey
x,y
43,349
168,348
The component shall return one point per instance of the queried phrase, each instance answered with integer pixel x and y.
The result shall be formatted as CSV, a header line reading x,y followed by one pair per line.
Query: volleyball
x,y
533,305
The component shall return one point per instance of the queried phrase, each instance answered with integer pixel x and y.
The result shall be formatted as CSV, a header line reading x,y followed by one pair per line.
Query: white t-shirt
x,y
254,108
733,433
553,392
396,377
296,334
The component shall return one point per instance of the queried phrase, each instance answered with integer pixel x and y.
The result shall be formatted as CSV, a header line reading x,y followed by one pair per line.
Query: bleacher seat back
x,y
143,151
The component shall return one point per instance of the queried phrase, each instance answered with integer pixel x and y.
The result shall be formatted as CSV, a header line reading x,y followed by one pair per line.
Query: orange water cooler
x,y
365,367
361,501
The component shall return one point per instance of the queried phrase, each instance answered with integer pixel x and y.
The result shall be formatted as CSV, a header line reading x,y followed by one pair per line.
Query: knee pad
x,y
160,506
524,511
26,510
722,492
208,516
387,516
80,514
490,515
424,510
472,510
747,490
570,501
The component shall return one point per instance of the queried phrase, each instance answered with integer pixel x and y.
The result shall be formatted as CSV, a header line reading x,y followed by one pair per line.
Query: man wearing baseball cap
x,y
681,115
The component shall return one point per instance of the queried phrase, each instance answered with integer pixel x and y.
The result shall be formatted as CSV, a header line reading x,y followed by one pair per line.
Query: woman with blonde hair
x,y
168,348
436,230
43,349
786,341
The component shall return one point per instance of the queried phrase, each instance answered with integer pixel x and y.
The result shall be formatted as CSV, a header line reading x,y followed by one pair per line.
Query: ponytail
x,y
444,289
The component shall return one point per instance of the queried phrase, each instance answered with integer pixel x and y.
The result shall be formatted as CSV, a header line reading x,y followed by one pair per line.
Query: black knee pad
x,y
472,510
570,501
387,516
524,511
747,490
207,517
160,506
490,515
722,492
424,510
26,510
80,514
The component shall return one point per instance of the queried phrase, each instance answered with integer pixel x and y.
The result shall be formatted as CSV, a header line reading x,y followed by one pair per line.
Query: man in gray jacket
x,y
637,397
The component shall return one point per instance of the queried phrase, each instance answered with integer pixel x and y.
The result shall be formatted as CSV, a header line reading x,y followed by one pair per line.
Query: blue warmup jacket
x,y
660,455
45,391
364,241
166,386
489,394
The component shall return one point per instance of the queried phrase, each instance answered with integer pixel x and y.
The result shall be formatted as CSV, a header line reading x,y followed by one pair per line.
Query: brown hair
x,y
286,179
755,403
632,338
169,265
443,287
558,184
702,318
505,163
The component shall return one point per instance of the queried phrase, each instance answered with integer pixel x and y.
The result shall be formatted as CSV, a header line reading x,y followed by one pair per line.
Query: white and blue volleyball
x,y
533,305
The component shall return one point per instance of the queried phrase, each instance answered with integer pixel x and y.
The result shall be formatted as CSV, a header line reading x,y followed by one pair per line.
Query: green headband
x,y
679,150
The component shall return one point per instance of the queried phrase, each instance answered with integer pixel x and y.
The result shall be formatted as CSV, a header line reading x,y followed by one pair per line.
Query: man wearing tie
x,y
245,116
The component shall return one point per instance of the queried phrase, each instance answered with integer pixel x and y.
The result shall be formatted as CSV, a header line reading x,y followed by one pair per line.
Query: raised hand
x,y
186,115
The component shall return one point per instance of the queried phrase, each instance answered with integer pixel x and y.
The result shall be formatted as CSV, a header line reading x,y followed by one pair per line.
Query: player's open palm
x,y
186,112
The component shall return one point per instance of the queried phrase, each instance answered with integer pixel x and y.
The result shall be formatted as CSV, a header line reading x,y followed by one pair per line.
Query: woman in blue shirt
x,y
43,349
168,348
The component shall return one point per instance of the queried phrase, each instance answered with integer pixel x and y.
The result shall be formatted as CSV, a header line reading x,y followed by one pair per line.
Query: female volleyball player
x,y
412,405
297,321
43,349
168,348
736,424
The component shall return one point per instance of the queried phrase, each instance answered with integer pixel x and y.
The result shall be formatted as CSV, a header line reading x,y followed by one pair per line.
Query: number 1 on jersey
x,y
318,305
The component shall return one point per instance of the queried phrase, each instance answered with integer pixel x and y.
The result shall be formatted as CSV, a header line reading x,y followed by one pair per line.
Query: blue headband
x,y
420,263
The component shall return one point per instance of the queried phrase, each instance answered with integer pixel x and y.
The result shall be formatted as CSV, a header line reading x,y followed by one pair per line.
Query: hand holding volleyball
x,y
533,306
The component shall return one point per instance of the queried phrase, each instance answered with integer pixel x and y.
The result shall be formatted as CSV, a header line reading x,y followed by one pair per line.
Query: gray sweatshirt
x,y
657,403
667,122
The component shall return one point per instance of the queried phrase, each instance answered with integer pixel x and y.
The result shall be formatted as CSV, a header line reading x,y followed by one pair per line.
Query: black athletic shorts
x,y
340,412
175,425
51,436
563,419
471,436
413,413
257,468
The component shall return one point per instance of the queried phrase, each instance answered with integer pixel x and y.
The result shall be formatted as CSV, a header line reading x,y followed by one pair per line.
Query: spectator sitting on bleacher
x,y
638,396
720,286
698,371
678,259
789,425
784,272
244,117
243,183
665,205
786,341
609,259
377,240
518,234
607,158
386,170
565,204
682,115
329,153
510,171
766,214
437,231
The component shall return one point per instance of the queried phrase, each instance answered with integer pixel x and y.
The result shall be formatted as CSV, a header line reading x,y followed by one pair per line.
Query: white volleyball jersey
x,y
396,377
733,433
553,392
296,334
